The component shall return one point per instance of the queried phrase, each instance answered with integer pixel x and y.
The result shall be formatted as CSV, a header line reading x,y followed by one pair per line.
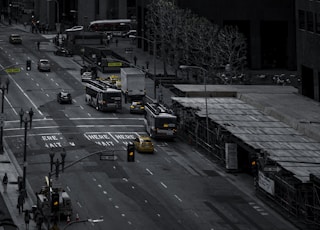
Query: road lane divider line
x,y
115,139
22,91
178,198
163,184
148,170
78,203
11,106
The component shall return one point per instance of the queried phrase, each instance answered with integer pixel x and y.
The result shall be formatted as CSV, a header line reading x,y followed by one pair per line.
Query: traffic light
x,y
28,65
130,150
254,167
55,202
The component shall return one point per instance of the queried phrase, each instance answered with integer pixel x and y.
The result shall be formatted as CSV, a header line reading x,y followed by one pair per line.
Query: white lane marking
x,y
81,107
51,79
105,192
37,84
178,198
129,222
145,201
89,114
47,95
125,179
132,187
78,203
57,84
69,189
116,206
148,170
158,215
99,185
123,215
113,137
75,100
13,109
163,184
19,87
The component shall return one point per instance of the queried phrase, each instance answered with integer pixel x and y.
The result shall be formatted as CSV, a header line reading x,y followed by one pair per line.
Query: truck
x,y
133,84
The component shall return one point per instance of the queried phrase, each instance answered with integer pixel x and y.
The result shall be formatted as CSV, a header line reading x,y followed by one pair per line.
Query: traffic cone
x,y
68,219
77,217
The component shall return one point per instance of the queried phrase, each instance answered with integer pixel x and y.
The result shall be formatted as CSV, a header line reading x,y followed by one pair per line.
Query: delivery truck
x,y
133,84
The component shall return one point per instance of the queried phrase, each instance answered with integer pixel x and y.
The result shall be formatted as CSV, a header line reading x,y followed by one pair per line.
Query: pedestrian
x,y
5,182
20,202
117,41
39,221
135,60
147,65
27,218
38,45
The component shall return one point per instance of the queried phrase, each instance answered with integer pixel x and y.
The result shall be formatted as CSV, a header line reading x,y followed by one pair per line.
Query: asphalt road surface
x,y
174,188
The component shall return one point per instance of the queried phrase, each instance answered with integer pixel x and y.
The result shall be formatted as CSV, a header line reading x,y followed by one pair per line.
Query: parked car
x,y
137,107
44,65
143,144
64,97
74,29
15,39
63,52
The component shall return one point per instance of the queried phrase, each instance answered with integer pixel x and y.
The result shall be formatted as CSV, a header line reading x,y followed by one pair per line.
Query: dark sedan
x,y
64,97
63,52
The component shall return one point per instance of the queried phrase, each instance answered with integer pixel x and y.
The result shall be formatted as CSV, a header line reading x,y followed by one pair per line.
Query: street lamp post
x,y
4,87
154,43
25,117
205,91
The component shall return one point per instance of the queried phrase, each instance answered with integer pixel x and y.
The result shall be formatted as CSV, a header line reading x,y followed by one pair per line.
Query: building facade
x,y
308,47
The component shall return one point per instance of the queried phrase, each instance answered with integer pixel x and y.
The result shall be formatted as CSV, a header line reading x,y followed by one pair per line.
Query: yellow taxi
x,y
137,107
143,144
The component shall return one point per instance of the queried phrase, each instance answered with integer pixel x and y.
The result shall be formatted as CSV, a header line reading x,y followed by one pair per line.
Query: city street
x,y
177,187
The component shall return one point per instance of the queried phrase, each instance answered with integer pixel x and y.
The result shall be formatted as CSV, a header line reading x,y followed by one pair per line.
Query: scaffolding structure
x,y
268,141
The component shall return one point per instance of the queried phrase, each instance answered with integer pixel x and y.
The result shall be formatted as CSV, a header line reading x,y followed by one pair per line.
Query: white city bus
x,y
101,96
117,27
160,122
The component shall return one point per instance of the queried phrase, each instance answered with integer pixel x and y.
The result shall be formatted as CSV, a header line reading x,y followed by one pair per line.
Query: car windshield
x,y
44,61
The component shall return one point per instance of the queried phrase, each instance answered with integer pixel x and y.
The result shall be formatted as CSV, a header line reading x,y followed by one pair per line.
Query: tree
x,y
185,38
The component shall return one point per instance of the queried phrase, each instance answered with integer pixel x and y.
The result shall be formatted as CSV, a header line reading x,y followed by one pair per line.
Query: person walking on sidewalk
x,y
20,202
27,218
5,182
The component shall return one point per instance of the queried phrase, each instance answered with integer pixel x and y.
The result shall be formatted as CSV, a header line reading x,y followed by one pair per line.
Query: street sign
x,y
128,50
108,157
13,70
111,64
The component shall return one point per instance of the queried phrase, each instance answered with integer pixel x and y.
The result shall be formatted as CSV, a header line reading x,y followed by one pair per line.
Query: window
x,y
302,22
310,21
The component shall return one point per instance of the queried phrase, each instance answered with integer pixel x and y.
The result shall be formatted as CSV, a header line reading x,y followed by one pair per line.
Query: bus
x,y
102,96
117,27
160,122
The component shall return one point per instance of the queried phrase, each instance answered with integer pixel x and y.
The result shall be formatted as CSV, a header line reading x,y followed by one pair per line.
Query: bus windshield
x,y
165,122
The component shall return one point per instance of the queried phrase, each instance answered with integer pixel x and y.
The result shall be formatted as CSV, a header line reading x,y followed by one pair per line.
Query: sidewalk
x,y
9,165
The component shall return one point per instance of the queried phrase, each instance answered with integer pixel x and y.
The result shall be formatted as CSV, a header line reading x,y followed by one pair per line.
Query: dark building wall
x,y
269,26
308,46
